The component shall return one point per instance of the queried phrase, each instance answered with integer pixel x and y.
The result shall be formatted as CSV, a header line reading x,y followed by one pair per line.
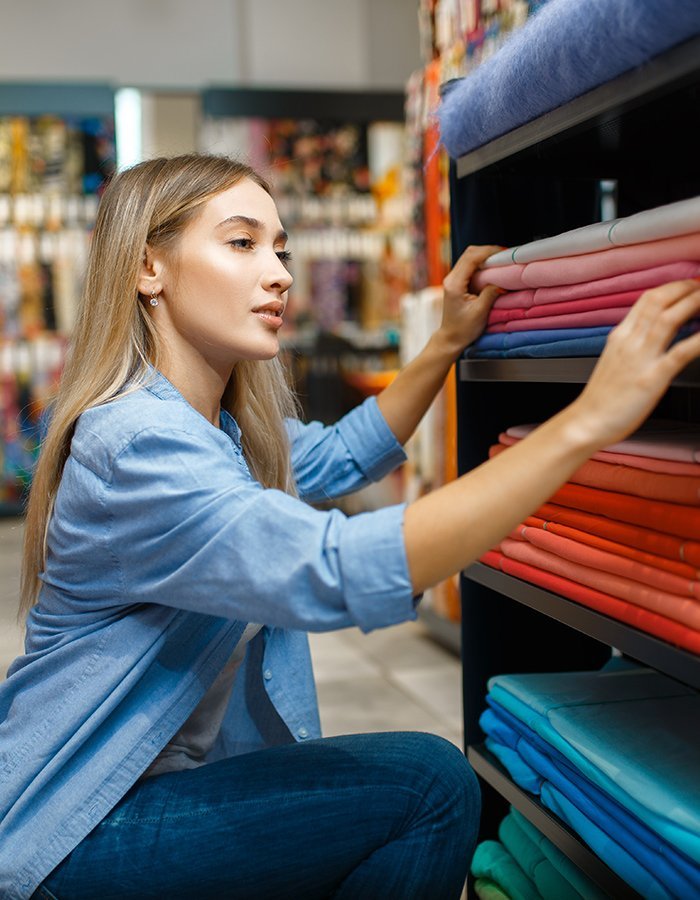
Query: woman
x,y
171,570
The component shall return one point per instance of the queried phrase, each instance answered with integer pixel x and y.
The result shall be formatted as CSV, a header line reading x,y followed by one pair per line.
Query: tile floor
x,y
392,679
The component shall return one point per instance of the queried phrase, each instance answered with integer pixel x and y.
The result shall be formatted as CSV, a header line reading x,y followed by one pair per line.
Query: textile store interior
x,y
372,122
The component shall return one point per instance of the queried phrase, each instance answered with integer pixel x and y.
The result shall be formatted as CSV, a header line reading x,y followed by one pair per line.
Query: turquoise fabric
x,y
550,883
492,861
489,890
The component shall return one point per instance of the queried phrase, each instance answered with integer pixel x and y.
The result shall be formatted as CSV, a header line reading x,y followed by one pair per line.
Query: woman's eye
x,y
242,243
284,256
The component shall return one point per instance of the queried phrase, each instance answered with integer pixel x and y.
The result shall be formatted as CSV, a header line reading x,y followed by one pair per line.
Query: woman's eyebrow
x,y
255,224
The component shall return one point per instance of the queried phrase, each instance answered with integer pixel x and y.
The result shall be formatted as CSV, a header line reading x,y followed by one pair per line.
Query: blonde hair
x,y
115,342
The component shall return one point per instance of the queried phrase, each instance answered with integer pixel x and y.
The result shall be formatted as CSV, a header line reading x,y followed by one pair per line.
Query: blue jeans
x,y
391,816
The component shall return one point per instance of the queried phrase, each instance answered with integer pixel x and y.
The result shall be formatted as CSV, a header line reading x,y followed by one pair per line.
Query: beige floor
x,y
392,679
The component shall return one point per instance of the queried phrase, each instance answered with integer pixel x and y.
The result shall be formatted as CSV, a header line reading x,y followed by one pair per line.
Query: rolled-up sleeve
x,y
189,528
330,461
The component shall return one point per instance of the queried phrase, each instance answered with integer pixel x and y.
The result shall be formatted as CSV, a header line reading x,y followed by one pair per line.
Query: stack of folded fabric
x,y
614,755
525,865
623,535
565,294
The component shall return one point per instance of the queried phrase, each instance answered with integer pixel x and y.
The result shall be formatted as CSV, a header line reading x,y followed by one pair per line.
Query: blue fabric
x,y
508,340
561,52
161,548
642,754
400,815
592,346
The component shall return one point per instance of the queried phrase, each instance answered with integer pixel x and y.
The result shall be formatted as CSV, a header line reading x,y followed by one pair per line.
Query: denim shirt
x,y
161,548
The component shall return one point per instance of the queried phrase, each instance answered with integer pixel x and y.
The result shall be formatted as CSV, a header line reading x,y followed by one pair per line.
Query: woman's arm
x,y
406,400
451,527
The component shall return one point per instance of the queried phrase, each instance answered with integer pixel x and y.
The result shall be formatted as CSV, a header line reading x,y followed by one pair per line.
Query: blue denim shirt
x,y
161,548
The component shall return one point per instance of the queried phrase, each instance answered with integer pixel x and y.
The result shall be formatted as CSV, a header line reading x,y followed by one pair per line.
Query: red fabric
x,y
648,463
604,561
682,489
591,318
637,617
681,609
607,301
640,538
681,569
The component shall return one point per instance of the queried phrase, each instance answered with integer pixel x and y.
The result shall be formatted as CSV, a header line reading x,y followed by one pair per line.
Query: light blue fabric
x,y
564,50
509,340
632,733
160,550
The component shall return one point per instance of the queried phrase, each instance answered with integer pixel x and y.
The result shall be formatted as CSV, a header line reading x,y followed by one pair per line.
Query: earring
x,y
154,299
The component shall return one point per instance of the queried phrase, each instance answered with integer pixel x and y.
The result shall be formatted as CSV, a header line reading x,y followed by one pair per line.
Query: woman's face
x,y
226,294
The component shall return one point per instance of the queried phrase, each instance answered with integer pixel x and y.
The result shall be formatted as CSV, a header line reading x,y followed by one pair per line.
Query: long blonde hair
x,y
115,342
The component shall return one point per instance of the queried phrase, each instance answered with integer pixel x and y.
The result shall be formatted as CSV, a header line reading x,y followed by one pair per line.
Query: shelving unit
x,y
543,178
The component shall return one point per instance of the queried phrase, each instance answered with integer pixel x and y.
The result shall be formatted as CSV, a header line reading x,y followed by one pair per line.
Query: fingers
x,y
661,311
488,296
460,275
683,353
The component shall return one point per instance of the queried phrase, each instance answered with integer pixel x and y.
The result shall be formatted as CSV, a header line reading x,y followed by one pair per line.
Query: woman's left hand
x,y
464,315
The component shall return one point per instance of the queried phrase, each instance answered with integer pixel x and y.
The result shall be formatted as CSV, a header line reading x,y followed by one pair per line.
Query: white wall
x,y
186,44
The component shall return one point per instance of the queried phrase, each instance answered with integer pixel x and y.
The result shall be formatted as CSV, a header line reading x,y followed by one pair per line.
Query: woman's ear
x,y
150,281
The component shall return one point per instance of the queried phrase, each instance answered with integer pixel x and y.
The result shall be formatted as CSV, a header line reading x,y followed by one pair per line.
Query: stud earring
x,y
154,299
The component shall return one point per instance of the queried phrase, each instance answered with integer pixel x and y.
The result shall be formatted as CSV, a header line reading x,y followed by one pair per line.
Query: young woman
x,y
160,737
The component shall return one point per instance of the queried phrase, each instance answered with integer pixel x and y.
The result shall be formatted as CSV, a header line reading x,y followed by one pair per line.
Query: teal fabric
x,y
489,890
492,860
549,882
643,754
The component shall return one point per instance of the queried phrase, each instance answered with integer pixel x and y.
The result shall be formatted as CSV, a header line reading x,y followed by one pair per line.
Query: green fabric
x,y
489,890
492,861
570,871
549,882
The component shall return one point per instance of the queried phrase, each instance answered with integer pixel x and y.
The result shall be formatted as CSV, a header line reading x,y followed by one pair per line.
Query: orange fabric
x,y
681,569
627,480
640,538
636,616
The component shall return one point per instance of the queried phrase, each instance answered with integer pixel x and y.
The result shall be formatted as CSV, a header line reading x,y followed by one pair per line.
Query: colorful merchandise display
x,y
563,295
612,754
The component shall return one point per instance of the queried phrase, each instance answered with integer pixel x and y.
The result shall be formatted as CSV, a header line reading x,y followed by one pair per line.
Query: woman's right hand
x,y
638,362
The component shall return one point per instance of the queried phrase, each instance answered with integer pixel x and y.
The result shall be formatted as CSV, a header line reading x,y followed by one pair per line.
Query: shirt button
x,y
267,674
303,733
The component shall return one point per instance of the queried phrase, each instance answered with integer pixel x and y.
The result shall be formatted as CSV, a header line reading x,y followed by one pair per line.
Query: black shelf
x,y
570,371
645,648
489,768
605,126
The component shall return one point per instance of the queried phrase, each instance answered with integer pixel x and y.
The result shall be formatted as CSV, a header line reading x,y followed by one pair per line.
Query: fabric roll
x,y
637,557
595,558
635,616
492,861
640,280
658,438
681,489
672,518
683,610
555,57
670,220
590,318
646,463
638,537
591,266
567,307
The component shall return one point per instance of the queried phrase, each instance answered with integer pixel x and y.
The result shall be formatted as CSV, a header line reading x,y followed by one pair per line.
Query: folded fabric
x,y
665,221
659,438
554,57
636,616
680,609
590,266
638,537
682,489
682,521
595,558
492,861
489,890
640,280
566,307
526,753
639,558
631,732
574,347
590,318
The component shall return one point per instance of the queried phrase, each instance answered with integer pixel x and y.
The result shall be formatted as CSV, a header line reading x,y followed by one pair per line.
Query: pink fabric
x,y
607,301
647,463
590,266
628,281
679,441
607,562
680,609
589,319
